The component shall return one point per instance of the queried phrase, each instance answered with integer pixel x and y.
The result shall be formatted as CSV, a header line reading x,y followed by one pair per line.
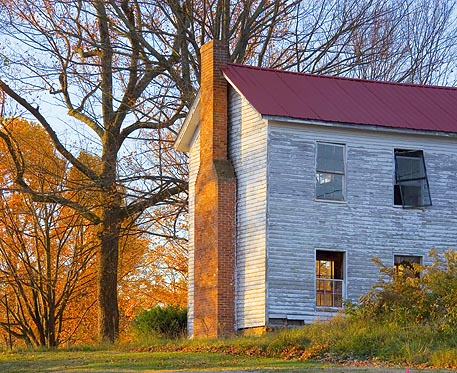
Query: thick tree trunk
x,y
107,277
109,233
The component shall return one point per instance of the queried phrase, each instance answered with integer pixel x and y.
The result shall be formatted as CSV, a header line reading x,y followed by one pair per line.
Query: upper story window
x,y
330,172
411,184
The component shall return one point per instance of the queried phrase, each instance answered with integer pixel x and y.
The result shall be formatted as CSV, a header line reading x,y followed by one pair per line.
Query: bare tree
x,y
119,68
127,72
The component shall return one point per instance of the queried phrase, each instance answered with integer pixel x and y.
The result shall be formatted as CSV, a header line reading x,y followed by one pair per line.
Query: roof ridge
x,y
415,85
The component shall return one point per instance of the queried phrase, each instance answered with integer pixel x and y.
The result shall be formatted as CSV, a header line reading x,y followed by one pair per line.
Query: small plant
x,y
161,321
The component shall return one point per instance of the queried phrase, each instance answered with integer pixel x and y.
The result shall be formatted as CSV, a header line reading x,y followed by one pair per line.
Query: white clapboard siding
x,y
194,164
366,226
247,151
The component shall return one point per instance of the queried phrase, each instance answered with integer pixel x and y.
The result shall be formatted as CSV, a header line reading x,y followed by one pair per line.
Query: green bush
x,y
162,321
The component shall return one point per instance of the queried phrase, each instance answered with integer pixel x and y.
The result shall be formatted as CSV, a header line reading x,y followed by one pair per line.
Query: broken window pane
x,y
329,186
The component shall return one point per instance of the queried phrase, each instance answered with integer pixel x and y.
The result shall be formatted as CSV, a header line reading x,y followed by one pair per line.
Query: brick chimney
x,y
214,224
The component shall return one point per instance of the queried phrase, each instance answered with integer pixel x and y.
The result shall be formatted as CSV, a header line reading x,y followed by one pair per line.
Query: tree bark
x,y
109,236
107,277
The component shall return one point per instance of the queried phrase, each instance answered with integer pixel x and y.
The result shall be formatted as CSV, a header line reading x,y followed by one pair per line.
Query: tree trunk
x,y
107,277
109,233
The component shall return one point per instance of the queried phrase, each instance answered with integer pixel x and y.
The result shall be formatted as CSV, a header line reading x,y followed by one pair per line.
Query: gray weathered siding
x,y
194,164
248,153
366,226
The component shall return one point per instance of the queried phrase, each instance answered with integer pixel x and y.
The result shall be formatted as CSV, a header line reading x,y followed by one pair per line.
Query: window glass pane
x,y
329,293
329,186
426,199
330,158
415,193
325,268
409,168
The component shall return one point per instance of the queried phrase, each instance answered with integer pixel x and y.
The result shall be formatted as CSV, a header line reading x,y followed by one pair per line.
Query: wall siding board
x,y
194,162
366,226
248,151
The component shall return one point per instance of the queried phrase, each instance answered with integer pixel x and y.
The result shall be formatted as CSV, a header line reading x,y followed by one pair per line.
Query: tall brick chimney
x,y
214,224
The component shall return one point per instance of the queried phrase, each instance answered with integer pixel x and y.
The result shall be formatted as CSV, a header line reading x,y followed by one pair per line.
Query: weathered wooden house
x,y
297,181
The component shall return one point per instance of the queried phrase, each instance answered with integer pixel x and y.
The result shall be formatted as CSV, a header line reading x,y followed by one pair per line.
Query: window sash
x,y
415,193
410,166
329,293
330,158
330,172
329,186
411,179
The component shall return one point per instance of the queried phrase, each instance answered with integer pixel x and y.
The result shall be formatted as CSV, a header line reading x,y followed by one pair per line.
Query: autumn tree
x,y
126,72
47,258
48,251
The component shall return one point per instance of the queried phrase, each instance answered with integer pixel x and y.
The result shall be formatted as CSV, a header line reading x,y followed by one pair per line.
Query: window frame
x,y
399,188
417,259
318,171
343,279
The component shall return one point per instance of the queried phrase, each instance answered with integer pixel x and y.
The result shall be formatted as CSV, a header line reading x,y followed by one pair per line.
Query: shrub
x,y
162,321
426,294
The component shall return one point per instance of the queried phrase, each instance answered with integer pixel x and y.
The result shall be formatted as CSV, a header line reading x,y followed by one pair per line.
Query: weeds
x,y
407,319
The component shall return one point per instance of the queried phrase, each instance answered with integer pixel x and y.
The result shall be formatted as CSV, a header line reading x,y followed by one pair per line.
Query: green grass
x,y
343,340
121,361
130,362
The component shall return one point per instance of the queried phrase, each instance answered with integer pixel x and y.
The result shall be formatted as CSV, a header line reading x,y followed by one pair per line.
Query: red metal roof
x,y
332,99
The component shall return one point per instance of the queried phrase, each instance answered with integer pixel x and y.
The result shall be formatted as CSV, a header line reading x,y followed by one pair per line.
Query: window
x,y
330,172
329,278
404,263
411,184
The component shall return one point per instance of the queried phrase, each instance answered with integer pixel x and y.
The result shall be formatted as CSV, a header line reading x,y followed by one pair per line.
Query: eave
x,y
186,134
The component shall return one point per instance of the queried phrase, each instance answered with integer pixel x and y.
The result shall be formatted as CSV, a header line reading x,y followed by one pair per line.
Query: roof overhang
x,y
280,120
186,134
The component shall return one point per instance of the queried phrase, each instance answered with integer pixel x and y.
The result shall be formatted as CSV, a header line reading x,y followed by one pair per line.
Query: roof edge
x,y
357,126
186,133
333,77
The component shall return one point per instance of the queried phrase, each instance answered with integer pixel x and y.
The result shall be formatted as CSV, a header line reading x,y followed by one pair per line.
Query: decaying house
x,y
297,181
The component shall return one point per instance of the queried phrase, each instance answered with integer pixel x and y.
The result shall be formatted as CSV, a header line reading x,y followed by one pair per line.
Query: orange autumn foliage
x,y
49,253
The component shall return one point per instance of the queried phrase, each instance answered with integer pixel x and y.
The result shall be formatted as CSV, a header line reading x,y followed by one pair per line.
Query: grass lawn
x,y
117,361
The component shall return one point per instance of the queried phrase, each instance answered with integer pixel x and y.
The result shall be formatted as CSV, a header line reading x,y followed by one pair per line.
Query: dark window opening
x,y
282,323
329,278
405,265
411,187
